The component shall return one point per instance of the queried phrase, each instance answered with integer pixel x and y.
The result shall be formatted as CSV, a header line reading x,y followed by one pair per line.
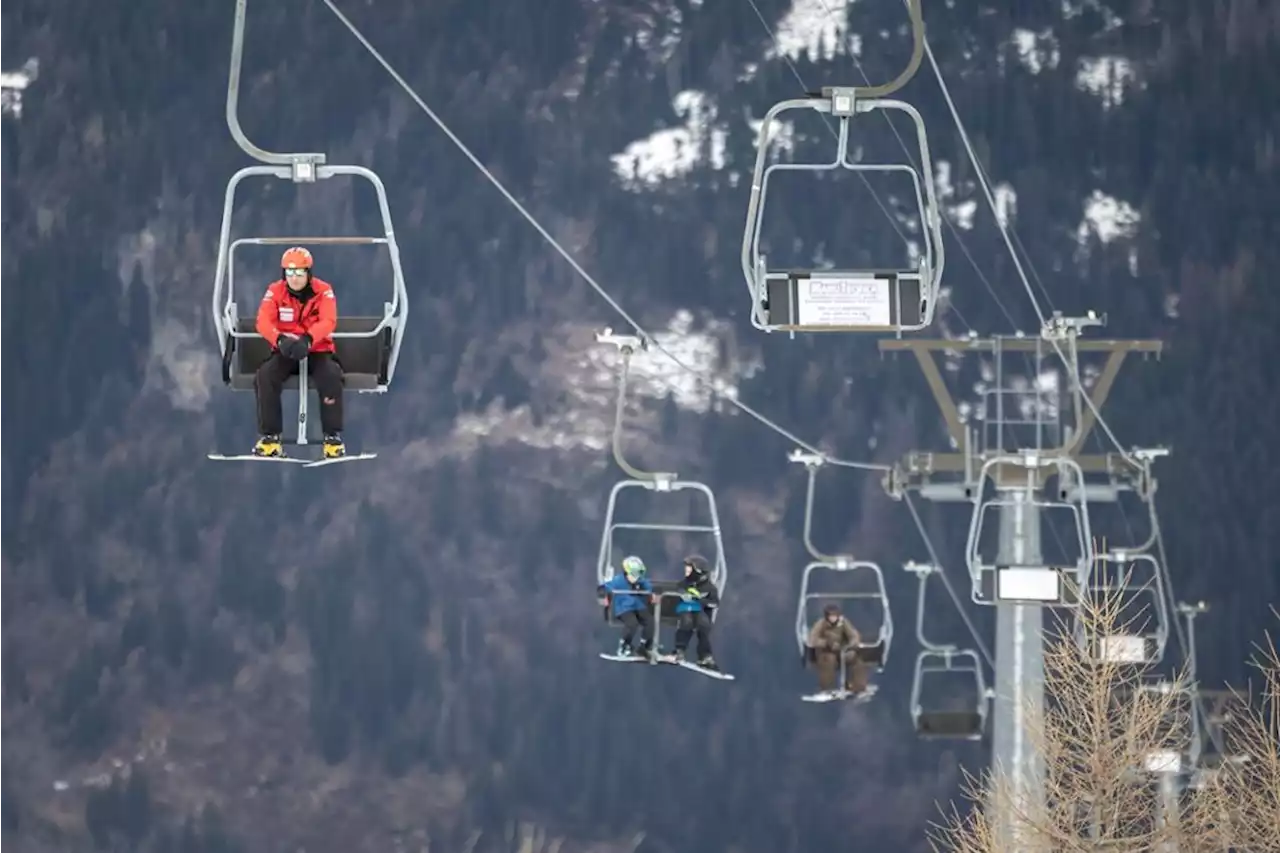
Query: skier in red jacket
x,y
297,316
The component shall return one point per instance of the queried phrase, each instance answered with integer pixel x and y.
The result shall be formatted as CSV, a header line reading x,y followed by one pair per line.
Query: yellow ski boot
x,y
268,445
333,446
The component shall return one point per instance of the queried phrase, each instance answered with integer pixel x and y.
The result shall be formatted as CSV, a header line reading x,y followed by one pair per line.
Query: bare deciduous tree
x,y
1106,735
1246,787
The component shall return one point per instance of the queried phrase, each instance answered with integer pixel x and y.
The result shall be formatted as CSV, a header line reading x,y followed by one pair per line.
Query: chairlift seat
x,y
365,361
949,724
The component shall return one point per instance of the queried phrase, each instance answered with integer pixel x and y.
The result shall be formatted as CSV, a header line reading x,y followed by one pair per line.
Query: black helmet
x,y
697,563
830,610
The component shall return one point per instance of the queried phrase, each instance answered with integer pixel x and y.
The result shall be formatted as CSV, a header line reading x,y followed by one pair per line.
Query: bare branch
x,y
1106,737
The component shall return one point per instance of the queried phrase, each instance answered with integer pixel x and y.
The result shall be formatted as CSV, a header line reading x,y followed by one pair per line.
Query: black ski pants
x,y
697,622
633,619
325,373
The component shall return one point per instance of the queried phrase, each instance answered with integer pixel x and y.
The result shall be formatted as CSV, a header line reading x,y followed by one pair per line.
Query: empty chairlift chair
x,y
949,694
997,579
1132,587
864,300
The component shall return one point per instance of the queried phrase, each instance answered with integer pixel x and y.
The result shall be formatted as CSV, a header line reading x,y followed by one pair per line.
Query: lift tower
x,y
1031,462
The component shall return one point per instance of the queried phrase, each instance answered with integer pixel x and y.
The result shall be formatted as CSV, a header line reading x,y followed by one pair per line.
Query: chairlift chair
x,y
1027,580
875,652
367,347
667,588
965,720
874,300
1129,643
936,722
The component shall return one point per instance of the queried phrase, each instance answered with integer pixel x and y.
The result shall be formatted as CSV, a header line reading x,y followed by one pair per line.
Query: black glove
x,y
294,348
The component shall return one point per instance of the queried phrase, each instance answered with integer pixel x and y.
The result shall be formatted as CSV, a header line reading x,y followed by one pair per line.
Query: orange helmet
x,y
296,258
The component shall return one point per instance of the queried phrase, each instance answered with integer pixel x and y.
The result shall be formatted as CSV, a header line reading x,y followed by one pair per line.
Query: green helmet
x,y
633,567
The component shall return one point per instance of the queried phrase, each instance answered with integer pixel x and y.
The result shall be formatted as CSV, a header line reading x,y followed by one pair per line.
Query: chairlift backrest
x,y
604,565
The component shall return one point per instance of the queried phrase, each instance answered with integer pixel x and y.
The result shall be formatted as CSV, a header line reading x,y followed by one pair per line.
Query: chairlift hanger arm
x,y
233,102
812,462
627,345
913,64
922,571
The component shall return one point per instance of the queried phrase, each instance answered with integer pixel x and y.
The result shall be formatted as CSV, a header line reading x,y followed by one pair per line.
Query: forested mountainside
x,y
401,654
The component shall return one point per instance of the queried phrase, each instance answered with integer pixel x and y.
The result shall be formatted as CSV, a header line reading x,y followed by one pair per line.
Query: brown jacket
x,y
824,636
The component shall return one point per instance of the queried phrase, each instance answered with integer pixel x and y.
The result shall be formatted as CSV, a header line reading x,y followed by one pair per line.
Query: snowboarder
x,y
631,594
297,316
698,600
831,638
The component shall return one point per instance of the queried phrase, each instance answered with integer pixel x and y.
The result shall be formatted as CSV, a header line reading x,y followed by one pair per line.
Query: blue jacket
x,y
708,598
627,598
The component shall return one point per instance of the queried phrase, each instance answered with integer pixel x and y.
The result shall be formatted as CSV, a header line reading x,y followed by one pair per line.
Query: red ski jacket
x,y
282,312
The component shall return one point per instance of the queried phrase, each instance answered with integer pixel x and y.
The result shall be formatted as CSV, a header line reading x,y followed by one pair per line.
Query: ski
x,y
249,457
623,658
354,457
306,463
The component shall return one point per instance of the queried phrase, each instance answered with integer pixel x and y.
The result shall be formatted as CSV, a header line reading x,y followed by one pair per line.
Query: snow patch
x,y
1108,78
659,32
1006,203
655,375
14,83
173,367
782,138
814,29
960,213
585,379
1036,51
674,152
1107,217
1075,8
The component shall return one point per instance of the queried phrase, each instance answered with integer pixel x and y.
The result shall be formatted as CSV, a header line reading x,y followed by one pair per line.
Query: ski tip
x,y
353,457
249,457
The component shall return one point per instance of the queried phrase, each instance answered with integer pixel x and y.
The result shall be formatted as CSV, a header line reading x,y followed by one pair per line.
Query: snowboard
x,y
684,664
841,695
623,658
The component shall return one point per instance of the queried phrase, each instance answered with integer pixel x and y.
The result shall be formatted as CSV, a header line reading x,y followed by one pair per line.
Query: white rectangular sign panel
x,y
844,301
